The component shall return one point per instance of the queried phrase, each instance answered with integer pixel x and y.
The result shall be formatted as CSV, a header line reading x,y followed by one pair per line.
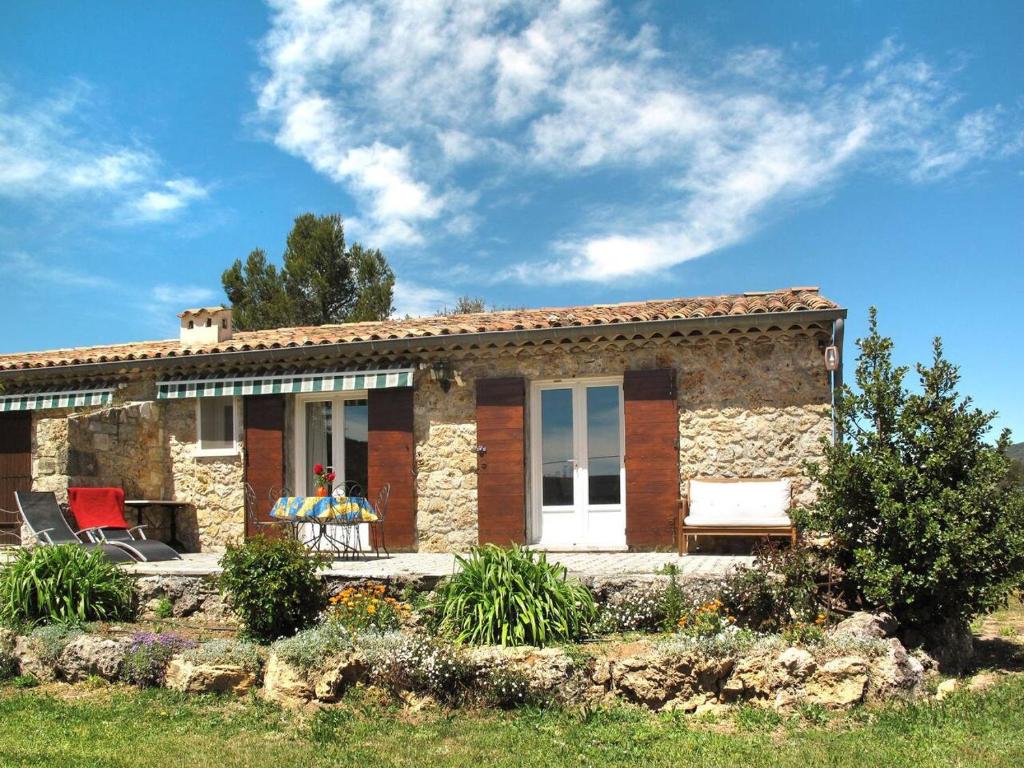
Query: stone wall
x,y
148,448
751,405
212,485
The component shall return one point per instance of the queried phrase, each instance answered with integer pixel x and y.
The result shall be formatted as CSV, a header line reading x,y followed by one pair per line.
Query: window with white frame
x,y
217,426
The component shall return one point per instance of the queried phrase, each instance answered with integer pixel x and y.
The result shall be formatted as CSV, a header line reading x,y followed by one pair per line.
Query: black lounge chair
x,y
42,515
146,550
100,512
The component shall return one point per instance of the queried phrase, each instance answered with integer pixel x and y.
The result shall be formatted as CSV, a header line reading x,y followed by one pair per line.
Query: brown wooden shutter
x,y
501,466
652,458
264,456
15,470
392,459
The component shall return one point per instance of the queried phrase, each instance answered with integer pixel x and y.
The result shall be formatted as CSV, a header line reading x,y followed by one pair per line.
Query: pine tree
x,y
321,282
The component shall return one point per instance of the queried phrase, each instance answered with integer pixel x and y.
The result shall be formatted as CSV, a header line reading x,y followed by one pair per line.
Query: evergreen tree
x,y
922,518
321,282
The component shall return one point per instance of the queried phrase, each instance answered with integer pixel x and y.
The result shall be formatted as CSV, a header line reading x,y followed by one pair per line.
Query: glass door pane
x,y
604,458
557,454
319,440
356,447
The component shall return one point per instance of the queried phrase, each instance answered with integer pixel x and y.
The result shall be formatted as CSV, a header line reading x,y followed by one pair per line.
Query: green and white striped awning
x,y
295,382
68,398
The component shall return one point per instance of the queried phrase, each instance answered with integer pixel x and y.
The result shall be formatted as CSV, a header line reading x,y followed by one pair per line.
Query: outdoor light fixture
x,y
832,358
441,372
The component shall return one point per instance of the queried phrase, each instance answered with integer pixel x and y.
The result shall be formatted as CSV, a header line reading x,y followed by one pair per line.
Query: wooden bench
x,y
735,506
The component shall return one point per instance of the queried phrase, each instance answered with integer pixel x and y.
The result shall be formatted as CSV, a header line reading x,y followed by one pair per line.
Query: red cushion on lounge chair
x,y
97,507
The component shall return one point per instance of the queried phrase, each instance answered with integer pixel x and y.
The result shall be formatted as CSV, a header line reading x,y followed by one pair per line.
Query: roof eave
x,y
519,337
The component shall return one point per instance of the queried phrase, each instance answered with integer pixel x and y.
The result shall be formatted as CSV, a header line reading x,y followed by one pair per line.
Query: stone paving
x,y
600,565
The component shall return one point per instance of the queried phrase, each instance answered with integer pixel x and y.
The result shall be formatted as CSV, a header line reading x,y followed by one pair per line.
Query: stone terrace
x,y
429,566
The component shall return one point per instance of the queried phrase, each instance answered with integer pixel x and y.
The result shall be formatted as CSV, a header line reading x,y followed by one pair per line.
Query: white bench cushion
x,y
759,503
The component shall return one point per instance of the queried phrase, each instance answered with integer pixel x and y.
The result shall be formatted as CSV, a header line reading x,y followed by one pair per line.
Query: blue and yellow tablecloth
x,y
324,509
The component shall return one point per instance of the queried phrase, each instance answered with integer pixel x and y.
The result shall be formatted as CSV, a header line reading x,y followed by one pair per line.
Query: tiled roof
x,y
787,300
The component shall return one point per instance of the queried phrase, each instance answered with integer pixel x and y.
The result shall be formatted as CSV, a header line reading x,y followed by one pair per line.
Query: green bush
x,y
50,640
512,597
780,587
923,517
272,586
316,645
146,662
228,652
63,585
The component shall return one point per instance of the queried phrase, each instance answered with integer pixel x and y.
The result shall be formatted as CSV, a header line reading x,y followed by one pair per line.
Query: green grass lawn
x,y
118,727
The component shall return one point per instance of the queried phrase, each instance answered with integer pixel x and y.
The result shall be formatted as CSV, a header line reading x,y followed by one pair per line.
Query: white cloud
x,y
392,99
418,300
22,267
49,150
184,296
172,196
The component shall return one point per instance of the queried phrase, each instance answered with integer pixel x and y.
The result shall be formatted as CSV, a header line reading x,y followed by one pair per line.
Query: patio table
x,y
326,512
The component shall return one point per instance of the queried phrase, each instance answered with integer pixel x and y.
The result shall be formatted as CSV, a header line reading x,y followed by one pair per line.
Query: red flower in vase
x,y
318,469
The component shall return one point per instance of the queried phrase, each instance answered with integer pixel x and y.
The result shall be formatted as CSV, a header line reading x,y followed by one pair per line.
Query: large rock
x,y
797,663
26,652
894,674
187,677
340,675
668,681
91,656
839,683
285,684
866,625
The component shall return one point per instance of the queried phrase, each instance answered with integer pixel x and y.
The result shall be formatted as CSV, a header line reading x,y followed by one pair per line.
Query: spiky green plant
x,y
512,596
63,585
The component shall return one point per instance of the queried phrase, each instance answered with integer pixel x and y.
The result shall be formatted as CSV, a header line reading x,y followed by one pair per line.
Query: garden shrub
x,y
512,596
50,640
65,584
417,663
8,664
272,586
711,618
316,645
227,652
780,587
368,607
148,655
501,686
639,610
923,518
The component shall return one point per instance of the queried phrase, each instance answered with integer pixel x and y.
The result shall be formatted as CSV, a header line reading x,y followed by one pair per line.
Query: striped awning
x,y
293,382
66,398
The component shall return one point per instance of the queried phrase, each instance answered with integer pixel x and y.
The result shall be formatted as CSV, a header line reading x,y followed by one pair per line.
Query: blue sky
x,y
528,152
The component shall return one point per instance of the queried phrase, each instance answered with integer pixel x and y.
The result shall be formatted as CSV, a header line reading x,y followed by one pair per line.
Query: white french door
x,y
577,469
332,430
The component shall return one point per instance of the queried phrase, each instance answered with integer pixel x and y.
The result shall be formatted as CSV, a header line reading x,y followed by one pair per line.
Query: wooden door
x,y
392,459
264,458
15,470
652,458
501,460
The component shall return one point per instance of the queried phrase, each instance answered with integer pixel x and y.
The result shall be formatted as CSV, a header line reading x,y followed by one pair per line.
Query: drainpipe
x,y
837,376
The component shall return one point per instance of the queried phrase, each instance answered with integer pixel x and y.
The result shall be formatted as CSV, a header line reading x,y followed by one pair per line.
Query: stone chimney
x,y
205,325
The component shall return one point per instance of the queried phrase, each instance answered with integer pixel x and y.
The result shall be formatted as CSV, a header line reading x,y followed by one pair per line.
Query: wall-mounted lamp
x,y
441,372
832,358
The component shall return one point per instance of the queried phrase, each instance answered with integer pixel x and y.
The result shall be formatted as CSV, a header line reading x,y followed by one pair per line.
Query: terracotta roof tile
x,y
787,300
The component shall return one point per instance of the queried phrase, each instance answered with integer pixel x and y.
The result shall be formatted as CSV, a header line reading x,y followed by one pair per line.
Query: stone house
x,y
570,428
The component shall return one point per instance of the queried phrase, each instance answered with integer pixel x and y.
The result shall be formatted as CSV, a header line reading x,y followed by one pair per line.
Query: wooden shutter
x,y
264,455
501,462
392,459
15,469
652,458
